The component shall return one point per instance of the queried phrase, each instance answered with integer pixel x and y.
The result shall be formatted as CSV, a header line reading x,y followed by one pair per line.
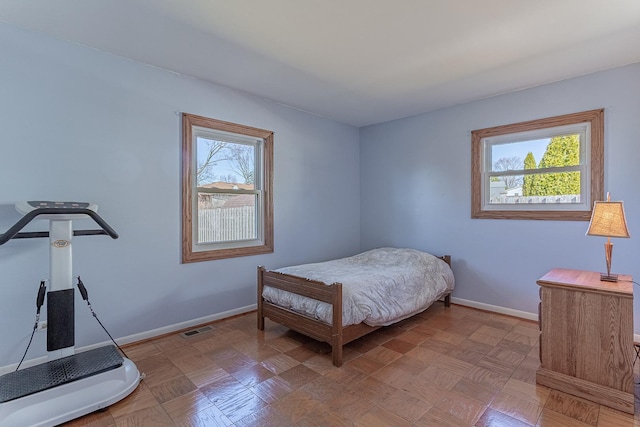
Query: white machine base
x,y
72,400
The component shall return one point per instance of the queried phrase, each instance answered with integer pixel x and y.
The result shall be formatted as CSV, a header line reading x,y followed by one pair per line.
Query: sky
x,y
520,149
221,168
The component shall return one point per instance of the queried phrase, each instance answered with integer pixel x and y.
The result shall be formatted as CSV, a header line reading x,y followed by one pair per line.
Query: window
x,y
550,168
226,189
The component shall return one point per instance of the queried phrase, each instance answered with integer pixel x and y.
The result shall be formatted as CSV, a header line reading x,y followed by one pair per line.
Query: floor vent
x,y
197,331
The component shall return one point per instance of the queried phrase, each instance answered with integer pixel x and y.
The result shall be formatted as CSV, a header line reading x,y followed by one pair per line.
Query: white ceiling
x,y
356,61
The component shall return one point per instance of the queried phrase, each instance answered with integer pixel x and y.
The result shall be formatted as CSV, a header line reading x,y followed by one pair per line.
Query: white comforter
x,y
379,287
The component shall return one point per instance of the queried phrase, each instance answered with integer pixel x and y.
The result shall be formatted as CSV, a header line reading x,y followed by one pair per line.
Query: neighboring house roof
x,y
228,185
240,200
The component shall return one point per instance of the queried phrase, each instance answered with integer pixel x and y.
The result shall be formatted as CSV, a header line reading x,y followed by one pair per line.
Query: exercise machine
x,y
69,384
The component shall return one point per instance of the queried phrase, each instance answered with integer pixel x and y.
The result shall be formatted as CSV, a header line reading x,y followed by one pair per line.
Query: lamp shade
x,y
607,220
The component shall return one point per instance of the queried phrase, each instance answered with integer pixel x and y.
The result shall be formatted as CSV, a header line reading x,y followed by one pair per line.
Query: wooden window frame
x,y
189,121
596,170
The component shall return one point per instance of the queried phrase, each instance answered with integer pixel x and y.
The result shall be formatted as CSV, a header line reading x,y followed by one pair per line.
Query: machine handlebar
x,y
14,231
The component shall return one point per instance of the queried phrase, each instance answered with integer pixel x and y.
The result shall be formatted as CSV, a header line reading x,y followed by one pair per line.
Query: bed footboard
x,y
331,294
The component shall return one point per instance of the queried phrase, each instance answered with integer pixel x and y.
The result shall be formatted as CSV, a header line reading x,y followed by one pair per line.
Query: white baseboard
x,y
182,325
495,309
142,335
508,311
211,318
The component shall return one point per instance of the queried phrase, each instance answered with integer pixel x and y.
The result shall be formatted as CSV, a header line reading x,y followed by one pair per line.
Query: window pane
x,y
543,188
550,168
224,217
225,165
562,150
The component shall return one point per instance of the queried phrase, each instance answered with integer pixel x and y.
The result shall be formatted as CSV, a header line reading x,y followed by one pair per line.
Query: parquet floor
x,y
445,367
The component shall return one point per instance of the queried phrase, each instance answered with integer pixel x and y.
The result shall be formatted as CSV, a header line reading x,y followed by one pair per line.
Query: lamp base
x,y
608,277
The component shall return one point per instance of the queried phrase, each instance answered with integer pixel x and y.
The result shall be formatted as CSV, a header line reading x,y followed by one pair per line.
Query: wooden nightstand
x,y
586,337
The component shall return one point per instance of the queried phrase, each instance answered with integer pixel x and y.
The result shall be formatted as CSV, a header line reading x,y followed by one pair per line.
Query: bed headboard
x,y
446,258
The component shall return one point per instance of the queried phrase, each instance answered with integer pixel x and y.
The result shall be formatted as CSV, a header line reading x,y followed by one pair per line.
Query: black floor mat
x,y
58,372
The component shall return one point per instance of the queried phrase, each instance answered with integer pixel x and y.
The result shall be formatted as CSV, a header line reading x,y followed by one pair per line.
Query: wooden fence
x,y
224,225
567,198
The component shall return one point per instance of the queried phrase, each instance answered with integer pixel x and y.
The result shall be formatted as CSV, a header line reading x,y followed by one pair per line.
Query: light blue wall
x,y
80,124
416,190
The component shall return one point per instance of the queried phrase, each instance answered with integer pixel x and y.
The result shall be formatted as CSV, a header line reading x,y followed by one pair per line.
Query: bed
x,y
341,300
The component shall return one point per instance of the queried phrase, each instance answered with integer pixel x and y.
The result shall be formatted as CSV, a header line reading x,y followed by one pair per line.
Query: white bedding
x,y
379,287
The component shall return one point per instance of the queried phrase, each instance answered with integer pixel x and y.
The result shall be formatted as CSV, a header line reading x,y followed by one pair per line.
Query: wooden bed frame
x,y
335,334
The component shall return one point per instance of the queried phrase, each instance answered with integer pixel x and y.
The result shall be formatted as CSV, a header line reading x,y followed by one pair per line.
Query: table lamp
x,y
607,220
